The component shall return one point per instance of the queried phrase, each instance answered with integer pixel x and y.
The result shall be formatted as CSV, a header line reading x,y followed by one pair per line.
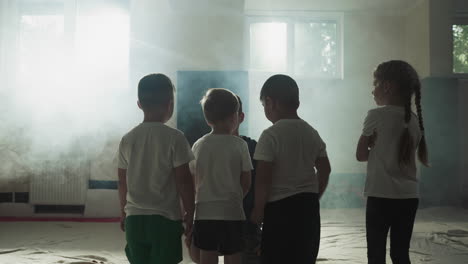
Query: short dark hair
x,y
283,89
155,90
218,104
240,104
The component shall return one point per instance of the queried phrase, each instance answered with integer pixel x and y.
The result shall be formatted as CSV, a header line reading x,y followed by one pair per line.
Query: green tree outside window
x,y
460,48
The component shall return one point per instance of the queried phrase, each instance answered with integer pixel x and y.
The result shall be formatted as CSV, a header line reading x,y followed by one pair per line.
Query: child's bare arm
x,y
263,182
246,181
364,145
184,185
362,151
122,173
322,164
262,189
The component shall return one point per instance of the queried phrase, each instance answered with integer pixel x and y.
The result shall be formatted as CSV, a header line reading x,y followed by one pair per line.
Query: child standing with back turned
x,y
292,174
154,176
222,175
389,140
252,231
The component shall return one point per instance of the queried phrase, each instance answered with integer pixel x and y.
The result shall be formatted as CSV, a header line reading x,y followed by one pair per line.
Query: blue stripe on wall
x,y
109,185
344,190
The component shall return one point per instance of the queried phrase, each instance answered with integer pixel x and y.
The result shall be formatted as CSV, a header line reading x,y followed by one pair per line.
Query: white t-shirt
x,y
149,153
219,162
293,146
385,178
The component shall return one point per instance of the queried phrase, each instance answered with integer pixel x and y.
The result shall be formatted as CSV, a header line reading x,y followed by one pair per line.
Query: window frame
x,y
460,19
69,10
290,18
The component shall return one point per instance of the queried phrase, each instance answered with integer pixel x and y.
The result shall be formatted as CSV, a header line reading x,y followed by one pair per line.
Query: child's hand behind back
x,y
188,221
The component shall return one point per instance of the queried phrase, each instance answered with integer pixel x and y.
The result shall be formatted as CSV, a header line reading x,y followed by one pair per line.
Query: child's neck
x,y
154,117
390,104
395,102
287,115
221,130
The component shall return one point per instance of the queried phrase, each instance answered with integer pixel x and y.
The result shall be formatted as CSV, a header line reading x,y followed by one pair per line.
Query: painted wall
x,y
461,5
441,183
440,38
185,35
417,38
463,109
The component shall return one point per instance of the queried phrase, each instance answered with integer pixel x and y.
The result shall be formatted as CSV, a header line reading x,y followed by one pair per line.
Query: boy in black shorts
x,y
292,174
222,170
251,232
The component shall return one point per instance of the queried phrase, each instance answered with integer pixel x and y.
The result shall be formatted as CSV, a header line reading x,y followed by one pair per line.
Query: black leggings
x,y
291,230
396,215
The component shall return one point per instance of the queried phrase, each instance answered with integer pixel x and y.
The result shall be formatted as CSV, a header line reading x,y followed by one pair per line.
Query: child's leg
x,y
308,225
208,257
137,253
233,258
153,239
274,234
137,249
231,243
194,252
291,230
402,229
377,226
252,237
205,241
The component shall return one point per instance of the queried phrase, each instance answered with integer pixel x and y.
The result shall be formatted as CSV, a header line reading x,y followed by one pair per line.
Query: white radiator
x,y
60,183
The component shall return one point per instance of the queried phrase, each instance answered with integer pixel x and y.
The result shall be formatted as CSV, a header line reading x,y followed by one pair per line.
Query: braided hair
x,y
406,79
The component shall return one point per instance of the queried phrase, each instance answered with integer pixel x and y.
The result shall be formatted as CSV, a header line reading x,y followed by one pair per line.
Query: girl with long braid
x,y
392,133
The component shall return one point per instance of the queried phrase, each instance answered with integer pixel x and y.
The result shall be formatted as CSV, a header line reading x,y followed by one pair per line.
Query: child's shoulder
x,y
384,112
228,139
214,142
131,133
144,128
239,140
386,108
380,108
172,130
377,111
291,124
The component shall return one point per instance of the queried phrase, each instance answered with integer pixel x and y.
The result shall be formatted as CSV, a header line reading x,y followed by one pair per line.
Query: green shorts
x,y
153,239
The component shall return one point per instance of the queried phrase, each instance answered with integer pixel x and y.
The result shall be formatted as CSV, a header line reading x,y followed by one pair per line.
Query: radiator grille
x,y
60,183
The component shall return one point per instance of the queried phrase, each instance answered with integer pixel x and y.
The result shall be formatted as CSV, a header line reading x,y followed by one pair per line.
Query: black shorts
x,y
222,236
291,230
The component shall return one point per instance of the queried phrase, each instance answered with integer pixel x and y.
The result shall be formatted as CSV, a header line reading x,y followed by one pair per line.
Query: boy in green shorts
x,y
153,177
